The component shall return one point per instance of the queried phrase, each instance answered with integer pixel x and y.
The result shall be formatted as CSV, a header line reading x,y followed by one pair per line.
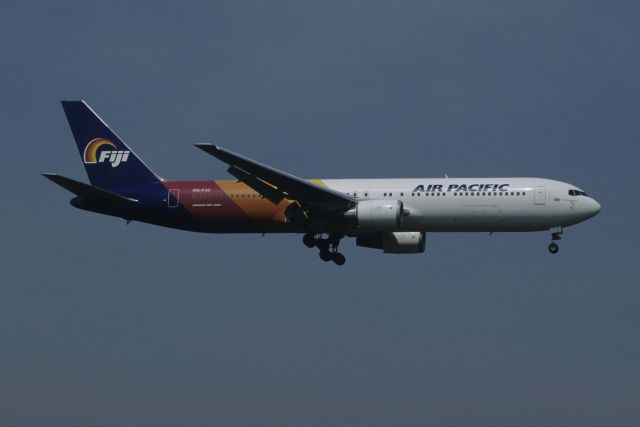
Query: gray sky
x,y
107,324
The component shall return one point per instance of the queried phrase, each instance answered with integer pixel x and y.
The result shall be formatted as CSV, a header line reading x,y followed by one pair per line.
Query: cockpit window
x,y
577,193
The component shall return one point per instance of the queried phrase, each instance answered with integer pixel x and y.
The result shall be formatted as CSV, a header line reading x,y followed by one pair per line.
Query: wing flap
x,y
267,191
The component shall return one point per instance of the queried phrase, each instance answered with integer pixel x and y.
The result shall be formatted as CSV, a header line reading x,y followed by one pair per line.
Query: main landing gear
x,y
557,235
328,246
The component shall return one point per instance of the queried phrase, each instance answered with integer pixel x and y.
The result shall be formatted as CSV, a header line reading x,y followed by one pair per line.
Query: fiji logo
x,y
115,157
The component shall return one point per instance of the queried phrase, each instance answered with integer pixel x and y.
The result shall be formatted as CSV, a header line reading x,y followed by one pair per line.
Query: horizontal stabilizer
x,y
87,191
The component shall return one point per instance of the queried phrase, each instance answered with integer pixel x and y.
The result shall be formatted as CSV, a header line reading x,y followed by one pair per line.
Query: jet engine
x,y
402,242
376,214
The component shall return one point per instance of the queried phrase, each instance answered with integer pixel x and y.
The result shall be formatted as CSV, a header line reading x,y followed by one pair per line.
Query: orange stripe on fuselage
x,y
258,209
240,207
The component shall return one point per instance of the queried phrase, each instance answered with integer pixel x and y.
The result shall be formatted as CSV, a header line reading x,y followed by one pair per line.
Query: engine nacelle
x,y
376,214
400,242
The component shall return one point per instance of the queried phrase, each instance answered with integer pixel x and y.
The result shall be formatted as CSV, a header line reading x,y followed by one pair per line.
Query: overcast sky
x,y
103,323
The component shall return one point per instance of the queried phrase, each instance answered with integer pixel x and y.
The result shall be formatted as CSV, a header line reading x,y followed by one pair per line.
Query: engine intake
x,y
376,214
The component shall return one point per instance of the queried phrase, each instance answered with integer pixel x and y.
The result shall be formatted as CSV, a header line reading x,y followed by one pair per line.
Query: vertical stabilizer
x,y
110,164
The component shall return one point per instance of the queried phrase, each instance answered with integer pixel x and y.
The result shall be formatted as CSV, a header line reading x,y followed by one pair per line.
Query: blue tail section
x,y
110,164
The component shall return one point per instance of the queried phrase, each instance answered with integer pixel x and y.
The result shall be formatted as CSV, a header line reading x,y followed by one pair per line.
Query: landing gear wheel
x,y
553,248
309,240
338,258
328,247
326,256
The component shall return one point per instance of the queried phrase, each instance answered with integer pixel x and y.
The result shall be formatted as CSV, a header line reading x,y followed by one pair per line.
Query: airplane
x,y
392,215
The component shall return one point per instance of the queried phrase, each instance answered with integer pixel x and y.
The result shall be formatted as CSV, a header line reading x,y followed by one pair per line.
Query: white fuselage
x,y
476,204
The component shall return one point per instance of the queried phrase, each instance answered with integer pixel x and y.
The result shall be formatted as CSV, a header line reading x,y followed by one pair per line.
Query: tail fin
x,y
110,164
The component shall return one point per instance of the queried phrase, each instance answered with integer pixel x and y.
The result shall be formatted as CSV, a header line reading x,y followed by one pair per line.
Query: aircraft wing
x,y
275,185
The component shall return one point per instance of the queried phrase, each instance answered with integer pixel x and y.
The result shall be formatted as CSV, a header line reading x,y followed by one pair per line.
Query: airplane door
x,y
540,196
173,198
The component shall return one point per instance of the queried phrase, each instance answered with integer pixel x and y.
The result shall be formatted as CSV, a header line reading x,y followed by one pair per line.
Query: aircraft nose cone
x,y
594,208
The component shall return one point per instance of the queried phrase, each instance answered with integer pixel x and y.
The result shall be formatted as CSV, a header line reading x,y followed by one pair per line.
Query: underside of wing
x,y
275,185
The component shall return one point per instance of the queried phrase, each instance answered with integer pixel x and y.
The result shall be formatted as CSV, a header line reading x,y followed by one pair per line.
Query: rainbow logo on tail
x,y
115,157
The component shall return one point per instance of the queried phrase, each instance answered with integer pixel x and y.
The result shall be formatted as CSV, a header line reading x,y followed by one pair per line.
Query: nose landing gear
x,y
328,246
557,235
